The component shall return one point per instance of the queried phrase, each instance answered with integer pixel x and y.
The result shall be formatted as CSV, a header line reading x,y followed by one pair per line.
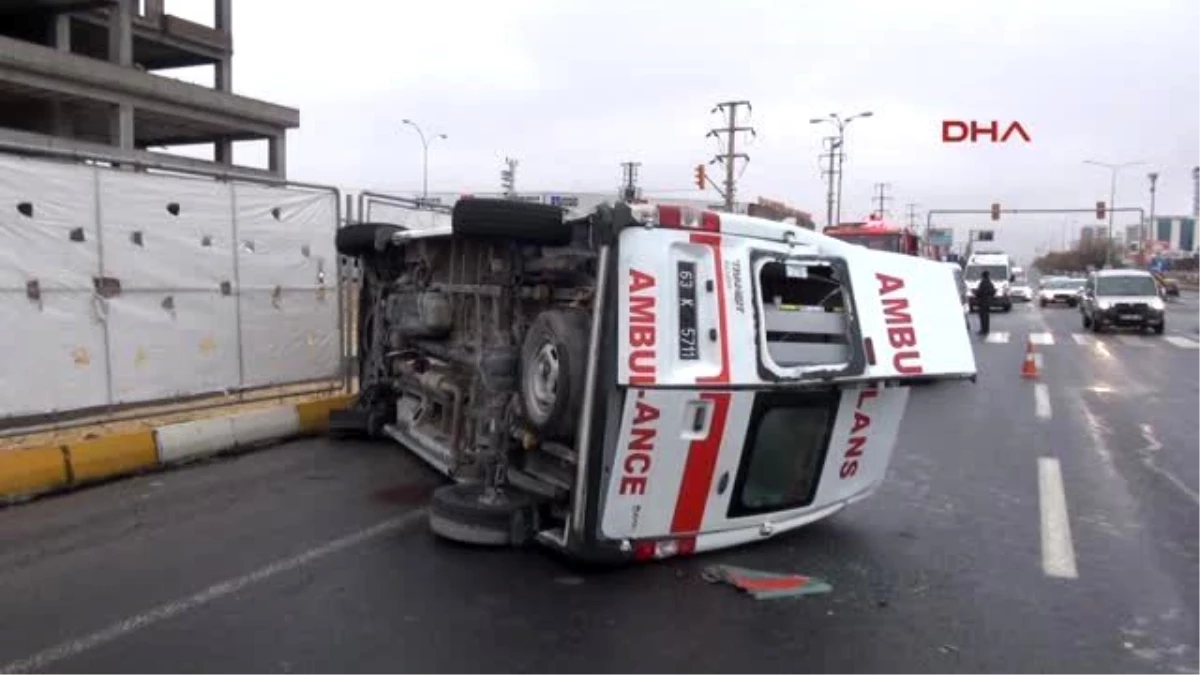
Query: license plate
x,y
1130,317
685,278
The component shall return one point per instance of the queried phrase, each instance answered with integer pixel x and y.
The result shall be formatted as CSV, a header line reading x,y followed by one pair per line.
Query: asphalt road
x,y
313,556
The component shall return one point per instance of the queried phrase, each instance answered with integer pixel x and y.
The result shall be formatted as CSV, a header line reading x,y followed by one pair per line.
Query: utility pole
x,y
508,178
833,148
840,122
1112,198
912,214
629,190
882,198
1153,176
731,155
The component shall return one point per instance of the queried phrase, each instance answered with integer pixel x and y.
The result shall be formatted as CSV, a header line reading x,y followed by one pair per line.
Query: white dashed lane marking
x,y
1081,339
1058,551
1041,400
997,338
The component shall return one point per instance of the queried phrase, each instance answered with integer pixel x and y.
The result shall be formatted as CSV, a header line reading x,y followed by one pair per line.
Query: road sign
x,y
941,237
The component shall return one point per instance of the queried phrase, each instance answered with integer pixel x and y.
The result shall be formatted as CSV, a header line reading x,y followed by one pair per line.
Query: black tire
x,y
553,366
1007,307
362,239
535,223
1158,330
1072,303
460,513
1043,303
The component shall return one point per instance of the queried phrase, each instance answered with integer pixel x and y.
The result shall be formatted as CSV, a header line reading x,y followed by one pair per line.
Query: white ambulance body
x,y
743,378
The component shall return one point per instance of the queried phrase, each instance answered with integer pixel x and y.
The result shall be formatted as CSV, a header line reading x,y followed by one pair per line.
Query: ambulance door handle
x,y
723,483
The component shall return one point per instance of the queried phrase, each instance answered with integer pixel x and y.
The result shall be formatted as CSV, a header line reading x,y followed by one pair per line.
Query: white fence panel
x,y
169,345
290,336
164,232
285,238
47,225
53,357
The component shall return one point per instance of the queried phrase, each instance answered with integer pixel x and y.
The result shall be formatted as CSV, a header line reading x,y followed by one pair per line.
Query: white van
x,y
1000,269
646,381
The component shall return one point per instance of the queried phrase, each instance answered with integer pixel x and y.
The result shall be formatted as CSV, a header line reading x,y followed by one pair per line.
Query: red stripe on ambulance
x,y
698,472
901,334
643,333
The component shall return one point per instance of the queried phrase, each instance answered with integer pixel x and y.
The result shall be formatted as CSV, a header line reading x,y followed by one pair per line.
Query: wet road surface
x,y
1026,525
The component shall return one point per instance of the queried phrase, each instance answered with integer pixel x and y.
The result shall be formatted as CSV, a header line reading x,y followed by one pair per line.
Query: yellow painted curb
x,y
112,455
29,471
314,415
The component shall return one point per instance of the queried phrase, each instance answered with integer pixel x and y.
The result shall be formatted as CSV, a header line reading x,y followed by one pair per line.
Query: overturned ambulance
x,y
645,381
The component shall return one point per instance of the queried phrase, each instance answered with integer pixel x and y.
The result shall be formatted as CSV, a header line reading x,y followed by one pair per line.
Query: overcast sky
x,y
572,89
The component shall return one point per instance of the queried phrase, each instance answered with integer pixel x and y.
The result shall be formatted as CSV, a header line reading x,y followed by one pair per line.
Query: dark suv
x,y
1122,299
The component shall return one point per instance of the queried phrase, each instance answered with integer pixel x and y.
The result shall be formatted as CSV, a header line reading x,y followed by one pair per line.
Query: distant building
x,y
1174,233
78,76
1086,234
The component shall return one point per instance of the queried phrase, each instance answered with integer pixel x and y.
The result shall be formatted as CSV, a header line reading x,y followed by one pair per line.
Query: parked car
x,y
1122,299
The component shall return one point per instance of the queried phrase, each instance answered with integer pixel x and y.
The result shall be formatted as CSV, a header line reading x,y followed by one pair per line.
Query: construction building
x,y
78,77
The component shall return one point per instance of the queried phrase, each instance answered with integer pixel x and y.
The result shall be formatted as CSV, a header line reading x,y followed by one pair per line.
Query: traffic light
x,y
995,211
700,176
1100,211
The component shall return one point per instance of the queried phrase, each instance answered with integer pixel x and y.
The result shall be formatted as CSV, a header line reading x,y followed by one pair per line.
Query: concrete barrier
x,y
31,471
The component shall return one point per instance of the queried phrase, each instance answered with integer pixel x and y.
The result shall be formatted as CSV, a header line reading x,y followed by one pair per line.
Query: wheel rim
x,y
542,380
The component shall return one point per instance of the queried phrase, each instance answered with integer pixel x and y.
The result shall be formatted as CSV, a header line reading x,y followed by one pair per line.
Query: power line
x,y
629,189
882,198
912,214
731,155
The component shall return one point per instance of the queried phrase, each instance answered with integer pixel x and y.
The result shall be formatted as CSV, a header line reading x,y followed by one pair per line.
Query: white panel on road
x,y
1082,339
1041,338
257,426
1180,341
188,440
998,338
1058,551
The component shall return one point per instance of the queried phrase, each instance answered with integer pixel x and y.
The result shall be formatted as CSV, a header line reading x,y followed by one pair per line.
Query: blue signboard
x,y
941,237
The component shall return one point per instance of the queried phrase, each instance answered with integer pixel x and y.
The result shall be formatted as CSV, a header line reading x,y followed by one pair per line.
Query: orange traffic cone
x,y
1029,369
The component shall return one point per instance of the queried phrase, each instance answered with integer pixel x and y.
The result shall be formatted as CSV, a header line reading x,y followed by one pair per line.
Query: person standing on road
x,y
983,299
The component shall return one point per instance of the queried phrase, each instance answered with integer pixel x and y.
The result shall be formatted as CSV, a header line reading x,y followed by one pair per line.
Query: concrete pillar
x,y
224,152
277,155
121,129
153,10
120,33
224,23
60,32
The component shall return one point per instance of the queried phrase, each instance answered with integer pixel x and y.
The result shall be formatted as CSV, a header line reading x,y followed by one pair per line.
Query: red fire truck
x,y
876,233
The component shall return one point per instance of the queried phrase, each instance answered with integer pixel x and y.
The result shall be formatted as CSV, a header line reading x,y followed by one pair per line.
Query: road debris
x,y
765,585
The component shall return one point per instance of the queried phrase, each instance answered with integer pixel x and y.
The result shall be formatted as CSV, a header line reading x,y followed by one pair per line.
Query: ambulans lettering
x,y
739,292
858,434
642,329
639,453
902,336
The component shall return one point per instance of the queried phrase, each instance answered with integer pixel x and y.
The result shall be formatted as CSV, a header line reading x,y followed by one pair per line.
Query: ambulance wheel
x,y
362,239
507,219
467,514
553,366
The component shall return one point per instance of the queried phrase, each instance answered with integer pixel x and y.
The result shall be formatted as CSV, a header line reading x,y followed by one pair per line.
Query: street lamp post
x,y
841,124
1153,176
425,141
1112,196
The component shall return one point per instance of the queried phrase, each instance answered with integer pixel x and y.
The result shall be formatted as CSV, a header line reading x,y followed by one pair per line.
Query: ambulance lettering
x,y
902,336
639,455
858,434
643,364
